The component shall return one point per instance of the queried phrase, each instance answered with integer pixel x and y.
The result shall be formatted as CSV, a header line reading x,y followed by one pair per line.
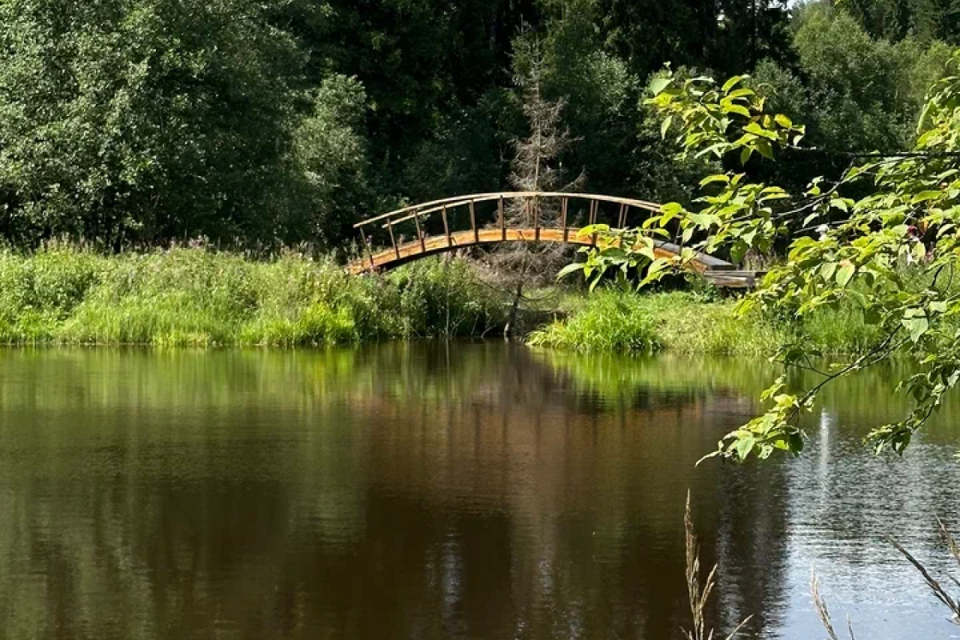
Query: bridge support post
x,y
536,218
473,223
393,239
366,247
446,226
416,220
564,204
503,222
594,209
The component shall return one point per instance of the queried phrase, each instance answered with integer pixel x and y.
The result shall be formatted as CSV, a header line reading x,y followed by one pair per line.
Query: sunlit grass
x,y
609,321
198,297
695,323
680,322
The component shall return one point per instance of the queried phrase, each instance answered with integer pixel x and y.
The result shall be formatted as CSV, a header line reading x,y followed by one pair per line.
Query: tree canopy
x,y
149,121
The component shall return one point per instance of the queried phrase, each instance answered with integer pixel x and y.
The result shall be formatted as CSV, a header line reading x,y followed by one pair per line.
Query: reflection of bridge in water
x,y
547,217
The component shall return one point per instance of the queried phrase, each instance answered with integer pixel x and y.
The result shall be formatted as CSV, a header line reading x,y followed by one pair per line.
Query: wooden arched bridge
x,y
398,237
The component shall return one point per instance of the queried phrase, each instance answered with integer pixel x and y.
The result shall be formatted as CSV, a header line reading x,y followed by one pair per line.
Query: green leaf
x,y
916,326
924,196
670,211
719,177
570,268
740,93
665,127
716,149
828,269
757,130
744,446
919,251
738,252
796,443
659,84
740,110
765,149
784,121
845,273
731,83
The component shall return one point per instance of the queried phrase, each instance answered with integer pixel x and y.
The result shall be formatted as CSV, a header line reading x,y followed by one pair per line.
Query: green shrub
x,y
443,298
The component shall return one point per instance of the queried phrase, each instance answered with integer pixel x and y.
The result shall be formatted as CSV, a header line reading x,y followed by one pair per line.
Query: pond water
x,y
445,491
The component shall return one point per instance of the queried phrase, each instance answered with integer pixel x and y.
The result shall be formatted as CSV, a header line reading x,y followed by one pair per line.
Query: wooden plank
x,y
594,210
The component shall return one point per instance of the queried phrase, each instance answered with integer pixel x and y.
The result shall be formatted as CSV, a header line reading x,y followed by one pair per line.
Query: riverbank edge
x,y
195,297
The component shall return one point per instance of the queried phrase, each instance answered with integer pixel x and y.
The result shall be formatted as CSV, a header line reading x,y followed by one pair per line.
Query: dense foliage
x,y
882,238
158,119
132,122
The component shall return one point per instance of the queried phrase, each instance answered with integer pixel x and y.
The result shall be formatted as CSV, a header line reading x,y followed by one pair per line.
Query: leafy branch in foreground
x,y
892,253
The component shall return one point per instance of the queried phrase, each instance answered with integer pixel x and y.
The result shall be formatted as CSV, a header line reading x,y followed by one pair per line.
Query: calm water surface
x,y
443,491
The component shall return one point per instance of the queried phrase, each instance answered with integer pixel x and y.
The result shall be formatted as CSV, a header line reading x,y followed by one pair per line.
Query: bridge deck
x,y
720,272
462,239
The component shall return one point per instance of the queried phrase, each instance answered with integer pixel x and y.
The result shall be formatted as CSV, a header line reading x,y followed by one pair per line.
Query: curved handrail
x,y
449,203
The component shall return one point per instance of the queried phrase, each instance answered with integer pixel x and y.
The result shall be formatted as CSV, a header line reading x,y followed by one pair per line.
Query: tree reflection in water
x,y
401,491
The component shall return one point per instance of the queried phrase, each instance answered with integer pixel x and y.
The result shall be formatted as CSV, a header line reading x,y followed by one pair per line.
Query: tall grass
x,y
194,296
609,321
697,323
680,322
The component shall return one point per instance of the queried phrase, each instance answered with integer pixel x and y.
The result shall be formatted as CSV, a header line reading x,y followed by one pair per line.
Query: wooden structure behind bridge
x,y
481,219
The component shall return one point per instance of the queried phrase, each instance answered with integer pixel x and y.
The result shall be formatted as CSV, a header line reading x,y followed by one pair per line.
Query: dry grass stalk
x,y
934,586
951,543
824,613
699,593
932,583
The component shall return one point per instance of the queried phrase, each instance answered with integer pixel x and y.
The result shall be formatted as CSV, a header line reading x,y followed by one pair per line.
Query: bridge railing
x,y
423,217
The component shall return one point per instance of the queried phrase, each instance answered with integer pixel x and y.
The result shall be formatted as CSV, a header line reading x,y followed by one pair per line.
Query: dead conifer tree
x,y
536,167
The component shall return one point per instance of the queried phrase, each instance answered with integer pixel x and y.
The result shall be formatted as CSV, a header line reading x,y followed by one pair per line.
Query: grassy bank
x,y
680,322
196,297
